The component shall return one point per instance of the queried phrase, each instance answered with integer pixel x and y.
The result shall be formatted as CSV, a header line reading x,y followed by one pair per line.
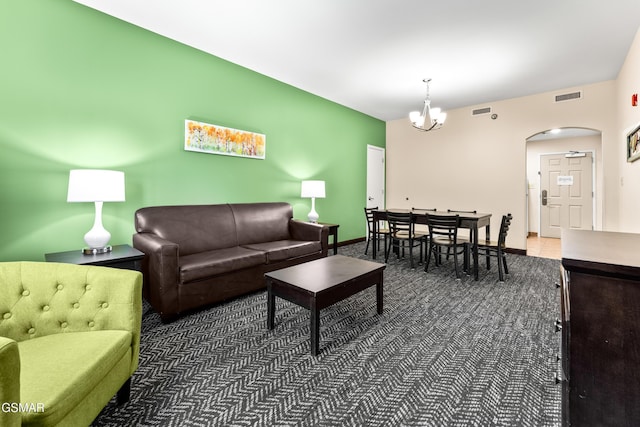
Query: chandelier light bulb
x,y
416,118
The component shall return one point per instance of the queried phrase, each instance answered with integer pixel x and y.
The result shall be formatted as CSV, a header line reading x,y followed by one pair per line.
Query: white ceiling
x,y
372,55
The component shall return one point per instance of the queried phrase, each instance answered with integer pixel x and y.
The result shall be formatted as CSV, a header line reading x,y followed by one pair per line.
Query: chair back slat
x,y
443,226
400,224
368,212
454,211
504,229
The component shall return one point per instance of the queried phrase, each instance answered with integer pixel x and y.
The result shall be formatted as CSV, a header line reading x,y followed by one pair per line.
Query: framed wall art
x,y
214,139
633,144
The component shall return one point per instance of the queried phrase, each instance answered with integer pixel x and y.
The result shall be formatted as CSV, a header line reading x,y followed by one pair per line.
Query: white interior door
x,y
566,193
375,177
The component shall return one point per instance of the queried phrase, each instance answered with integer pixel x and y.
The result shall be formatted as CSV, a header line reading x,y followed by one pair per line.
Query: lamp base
x,y
95,251
313,217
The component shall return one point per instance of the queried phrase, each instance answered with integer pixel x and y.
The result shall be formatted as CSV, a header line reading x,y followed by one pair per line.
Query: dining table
x,y
473,221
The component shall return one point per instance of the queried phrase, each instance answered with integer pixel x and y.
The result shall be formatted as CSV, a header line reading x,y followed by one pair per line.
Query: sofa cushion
x,y
195,228
60,370
262,222
210,263
285,249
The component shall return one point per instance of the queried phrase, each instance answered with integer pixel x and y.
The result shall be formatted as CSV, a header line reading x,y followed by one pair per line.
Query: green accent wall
x,y
80,89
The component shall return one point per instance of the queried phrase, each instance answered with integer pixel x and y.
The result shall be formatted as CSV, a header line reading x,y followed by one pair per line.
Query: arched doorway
x,y
567,148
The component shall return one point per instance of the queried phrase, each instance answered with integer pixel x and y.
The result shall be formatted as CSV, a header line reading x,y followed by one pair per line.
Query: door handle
x,y
544,197
370,198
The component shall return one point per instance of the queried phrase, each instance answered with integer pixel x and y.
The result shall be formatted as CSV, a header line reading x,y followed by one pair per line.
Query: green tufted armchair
x,y
69,341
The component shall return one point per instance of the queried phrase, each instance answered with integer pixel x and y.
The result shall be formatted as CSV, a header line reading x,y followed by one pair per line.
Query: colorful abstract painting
x,y
214,139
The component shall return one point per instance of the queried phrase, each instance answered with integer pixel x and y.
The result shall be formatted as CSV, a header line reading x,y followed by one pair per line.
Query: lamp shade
x,y
312,189
95,185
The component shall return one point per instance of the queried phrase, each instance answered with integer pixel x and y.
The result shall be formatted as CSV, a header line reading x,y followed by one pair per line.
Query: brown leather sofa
x,y
197,255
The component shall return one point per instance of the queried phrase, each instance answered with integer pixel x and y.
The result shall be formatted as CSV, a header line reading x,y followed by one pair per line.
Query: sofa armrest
x,y
9,382
301,230
160,270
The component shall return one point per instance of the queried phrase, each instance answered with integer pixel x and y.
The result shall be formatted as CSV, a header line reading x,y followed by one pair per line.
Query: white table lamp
x,y
98,186
313,189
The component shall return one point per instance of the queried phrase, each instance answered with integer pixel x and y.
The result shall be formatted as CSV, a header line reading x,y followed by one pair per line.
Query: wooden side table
x,y
333,231
122,256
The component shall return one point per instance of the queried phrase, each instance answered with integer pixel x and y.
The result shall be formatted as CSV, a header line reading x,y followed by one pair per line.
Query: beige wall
x,y
628,83
536,148
480,163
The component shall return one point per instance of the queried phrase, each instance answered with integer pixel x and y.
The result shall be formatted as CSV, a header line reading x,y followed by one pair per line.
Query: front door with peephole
x,y
566,192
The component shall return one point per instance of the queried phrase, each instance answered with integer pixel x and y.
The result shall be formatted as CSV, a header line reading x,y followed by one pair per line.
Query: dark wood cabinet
x,y
600,305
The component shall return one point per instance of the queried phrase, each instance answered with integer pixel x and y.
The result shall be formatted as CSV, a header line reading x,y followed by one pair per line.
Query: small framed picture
x,y
633,144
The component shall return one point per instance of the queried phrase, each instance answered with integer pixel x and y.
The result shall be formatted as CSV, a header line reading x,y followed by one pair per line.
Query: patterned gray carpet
x,y
445,352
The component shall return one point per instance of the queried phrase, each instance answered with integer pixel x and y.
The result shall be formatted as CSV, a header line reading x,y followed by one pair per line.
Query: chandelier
x,y
430,118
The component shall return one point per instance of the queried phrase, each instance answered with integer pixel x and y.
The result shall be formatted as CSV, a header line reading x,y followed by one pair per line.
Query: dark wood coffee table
x,y
318,284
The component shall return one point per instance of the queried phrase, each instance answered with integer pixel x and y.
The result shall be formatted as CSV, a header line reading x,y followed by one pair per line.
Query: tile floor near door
x,y
543,247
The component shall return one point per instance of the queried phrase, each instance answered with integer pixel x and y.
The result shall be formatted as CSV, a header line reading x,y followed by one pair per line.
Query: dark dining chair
x,y
465,237
422,228
402,234
443,233
496,248
382,231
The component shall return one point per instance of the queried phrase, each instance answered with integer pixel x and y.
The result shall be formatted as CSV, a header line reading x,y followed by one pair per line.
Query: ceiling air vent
x,y
480,111
569,96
